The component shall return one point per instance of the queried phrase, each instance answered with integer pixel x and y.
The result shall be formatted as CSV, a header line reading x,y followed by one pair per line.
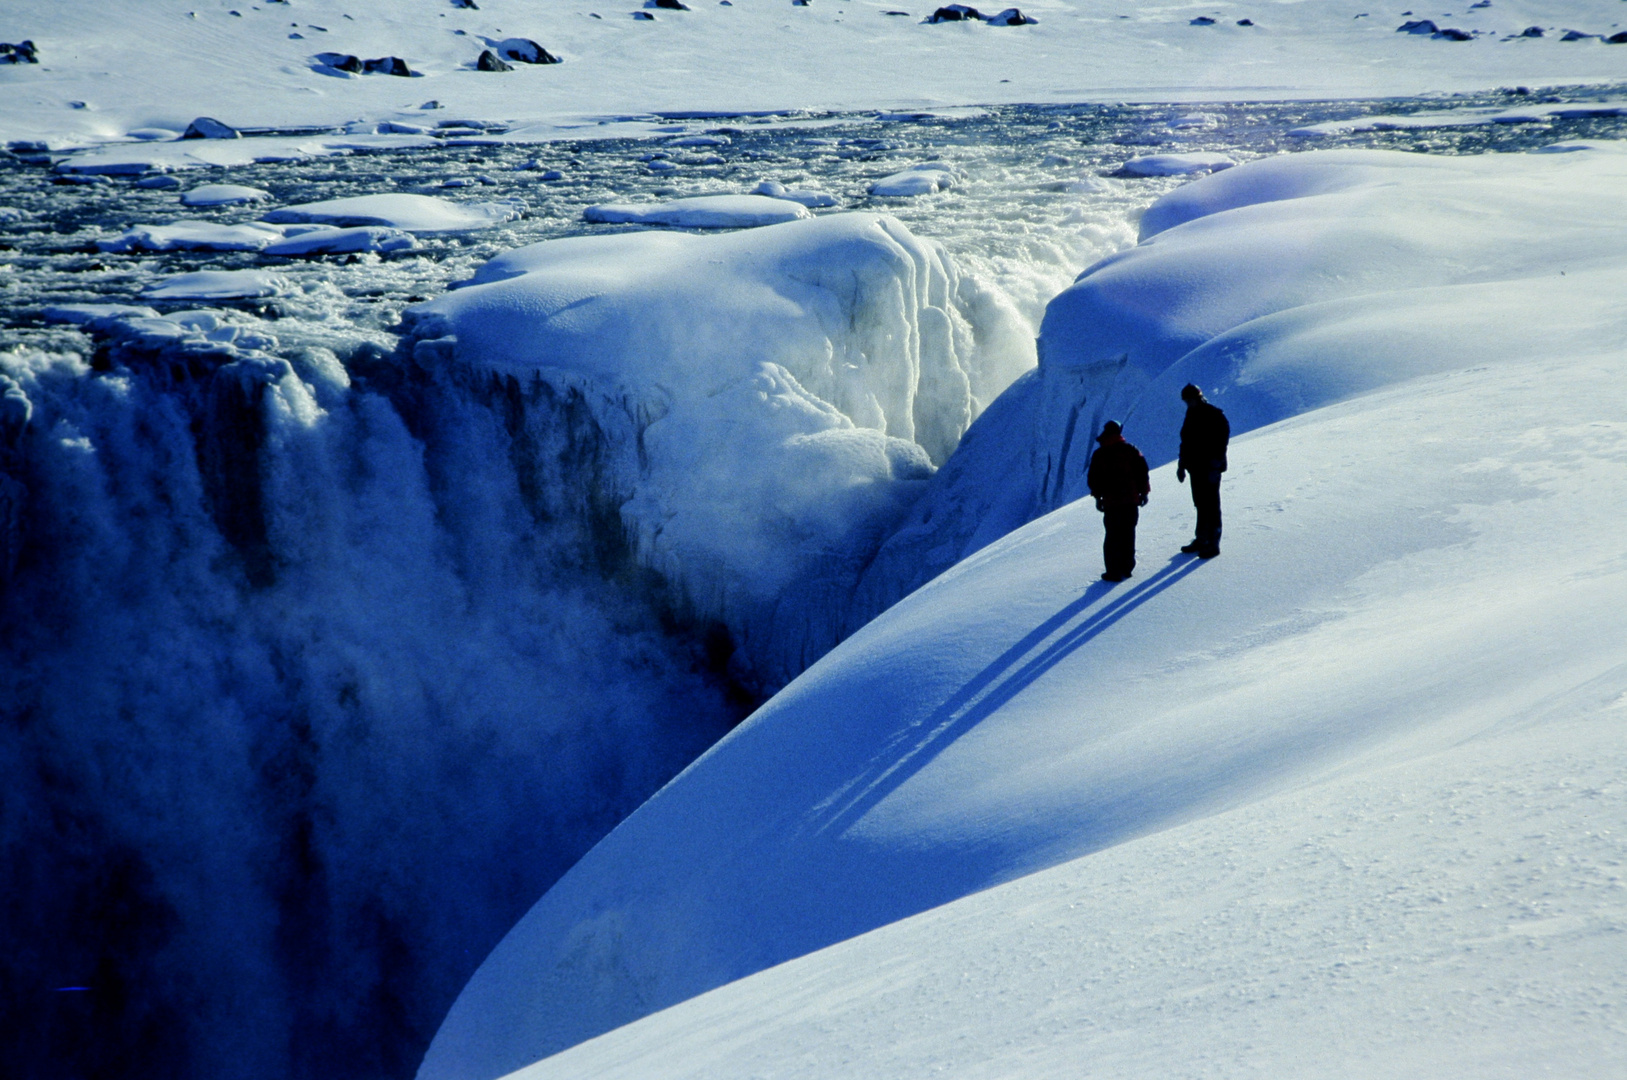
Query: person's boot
x,y
1208,553
1192,549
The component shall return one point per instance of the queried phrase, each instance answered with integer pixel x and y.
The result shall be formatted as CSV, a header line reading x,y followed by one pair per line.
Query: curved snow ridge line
x,y
793,386
1362,228
1433,556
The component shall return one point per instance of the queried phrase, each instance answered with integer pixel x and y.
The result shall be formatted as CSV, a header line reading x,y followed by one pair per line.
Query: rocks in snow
x,y
24,52
670,5
387,65
1418,26
1012,17
340,62
644,15
1451,34
206,127
469,4
955,13
524,51
490,61
1617,39
223,195
1202,20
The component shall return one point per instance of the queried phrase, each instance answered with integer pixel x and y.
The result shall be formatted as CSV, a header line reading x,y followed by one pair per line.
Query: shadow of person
x,y
1002,679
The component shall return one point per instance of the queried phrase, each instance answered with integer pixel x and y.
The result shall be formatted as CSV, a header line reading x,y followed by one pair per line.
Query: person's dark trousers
x,y
1119,546
1206,497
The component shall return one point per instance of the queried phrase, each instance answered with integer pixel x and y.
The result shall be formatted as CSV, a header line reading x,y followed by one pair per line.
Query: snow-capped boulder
x,y
1176,164
807,197
193,236
955,13
219,285
490,61
206,127
755,408
924,179
223,195
524,51
1011,17
701,212
414,213
335,241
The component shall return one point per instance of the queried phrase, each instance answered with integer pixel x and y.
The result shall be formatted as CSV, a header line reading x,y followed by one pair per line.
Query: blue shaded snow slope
x,y
1418,613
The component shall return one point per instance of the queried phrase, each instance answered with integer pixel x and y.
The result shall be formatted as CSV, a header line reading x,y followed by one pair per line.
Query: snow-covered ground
x,y
114,71
1356,777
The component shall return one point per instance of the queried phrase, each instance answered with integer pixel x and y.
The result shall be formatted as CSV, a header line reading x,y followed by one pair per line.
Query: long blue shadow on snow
x,y
1004,678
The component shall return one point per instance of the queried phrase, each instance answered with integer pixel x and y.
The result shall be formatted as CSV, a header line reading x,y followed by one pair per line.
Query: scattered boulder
x,y
799,3
490,61
387,65
469,4
1245,22
340,62
670,5
955,13
526,51
1418,26
1531,31
903,13
24,52
206,127
1450,34
1577,35
645,15
1011,17
1202,20
1617,39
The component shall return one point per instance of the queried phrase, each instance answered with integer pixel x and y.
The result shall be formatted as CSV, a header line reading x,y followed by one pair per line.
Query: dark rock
x,y
955,13
1250,22
1202,20
903,13
799,3
644,15
1011,17
669,5
1576,35
1418,26
1449,34
24,52
205,127
490,61
1531,31
524,51
387,65
340,62
1617,39
470,4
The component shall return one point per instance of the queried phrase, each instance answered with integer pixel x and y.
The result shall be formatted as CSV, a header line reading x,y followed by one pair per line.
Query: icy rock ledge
x,y
746,414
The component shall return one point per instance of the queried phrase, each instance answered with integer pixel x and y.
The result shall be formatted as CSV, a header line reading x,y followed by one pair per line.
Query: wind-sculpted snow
x,y
1234,274
1422,550
756,409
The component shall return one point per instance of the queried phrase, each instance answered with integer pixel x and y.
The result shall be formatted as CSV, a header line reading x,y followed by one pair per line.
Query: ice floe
x,y
701,212
1176,164
223,195
219,285
924,179
414,213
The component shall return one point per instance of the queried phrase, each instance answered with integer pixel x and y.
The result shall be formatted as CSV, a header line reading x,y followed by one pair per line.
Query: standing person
x,y
1118,479
1204,435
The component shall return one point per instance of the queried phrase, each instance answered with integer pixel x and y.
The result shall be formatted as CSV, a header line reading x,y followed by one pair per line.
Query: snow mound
x,y
701,212
223,195
757,408
1422,568
414,213
1176,164
83,314
193,236
335,241
218,285
807,197
925,179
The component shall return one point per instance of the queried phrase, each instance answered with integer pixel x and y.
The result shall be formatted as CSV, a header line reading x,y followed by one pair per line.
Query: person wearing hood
x,y
1204,435
1118,479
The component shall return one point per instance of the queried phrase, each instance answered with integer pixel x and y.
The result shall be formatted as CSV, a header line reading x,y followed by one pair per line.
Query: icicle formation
x,y
302,707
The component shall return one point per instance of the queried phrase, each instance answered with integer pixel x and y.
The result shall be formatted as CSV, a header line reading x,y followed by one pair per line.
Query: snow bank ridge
x,y
746,414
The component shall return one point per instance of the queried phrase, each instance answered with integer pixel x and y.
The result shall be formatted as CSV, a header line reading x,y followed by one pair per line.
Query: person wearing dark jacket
x,y
1204,435
1118,479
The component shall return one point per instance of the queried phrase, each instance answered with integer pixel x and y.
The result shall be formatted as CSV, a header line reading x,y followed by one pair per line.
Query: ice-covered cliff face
x,y
1238,257
288,671
746,415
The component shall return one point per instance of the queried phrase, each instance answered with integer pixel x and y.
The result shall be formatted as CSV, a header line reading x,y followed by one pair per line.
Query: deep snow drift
x,y
1331,772
754,411
147,70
